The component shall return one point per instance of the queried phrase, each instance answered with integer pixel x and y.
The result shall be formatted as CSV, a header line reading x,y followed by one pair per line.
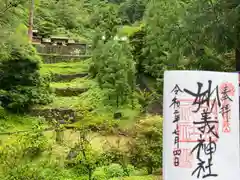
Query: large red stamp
x,y
188,131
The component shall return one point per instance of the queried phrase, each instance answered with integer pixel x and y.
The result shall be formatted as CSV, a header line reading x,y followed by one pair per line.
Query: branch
x,y
9,6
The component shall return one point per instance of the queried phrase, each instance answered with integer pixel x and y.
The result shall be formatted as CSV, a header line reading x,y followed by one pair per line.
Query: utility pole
x,y
30,23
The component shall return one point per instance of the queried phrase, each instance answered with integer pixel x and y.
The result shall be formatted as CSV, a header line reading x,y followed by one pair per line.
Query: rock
x,y
117,115
155,107
62,122
63,115
73,153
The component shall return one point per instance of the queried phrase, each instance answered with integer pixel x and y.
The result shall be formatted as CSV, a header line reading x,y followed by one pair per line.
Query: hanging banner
x,y
201,126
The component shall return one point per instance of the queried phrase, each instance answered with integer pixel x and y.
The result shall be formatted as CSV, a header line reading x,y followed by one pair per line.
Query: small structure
x,y
46,41
59,40
60,45
36,38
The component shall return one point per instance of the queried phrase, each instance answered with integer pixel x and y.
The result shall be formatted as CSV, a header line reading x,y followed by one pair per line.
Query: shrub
x,y
24,172
22,150
107,172
52,171
21,85
114,170
99,174
146,146
45,170
130,170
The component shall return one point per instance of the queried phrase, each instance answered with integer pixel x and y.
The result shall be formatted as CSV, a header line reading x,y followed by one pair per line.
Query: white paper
x,y
225,160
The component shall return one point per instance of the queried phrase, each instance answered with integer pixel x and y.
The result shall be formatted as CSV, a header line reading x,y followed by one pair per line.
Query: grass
x,y
65,67
76,83
98,141
139,178
73,102
82,101
14,123
11,122
129,117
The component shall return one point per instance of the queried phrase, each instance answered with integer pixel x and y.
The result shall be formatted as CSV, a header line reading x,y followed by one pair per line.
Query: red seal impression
x,y
228,88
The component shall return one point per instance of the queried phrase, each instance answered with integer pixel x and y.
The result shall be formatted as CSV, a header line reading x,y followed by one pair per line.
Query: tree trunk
x,y
149,169
237,58
89,174
30,23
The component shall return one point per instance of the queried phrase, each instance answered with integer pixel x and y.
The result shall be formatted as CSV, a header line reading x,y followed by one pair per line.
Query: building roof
x,y
59,37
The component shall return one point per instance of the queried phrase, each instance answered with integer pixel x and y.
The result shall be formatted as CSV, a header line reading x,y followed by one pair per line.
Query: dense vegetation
x,y
102,126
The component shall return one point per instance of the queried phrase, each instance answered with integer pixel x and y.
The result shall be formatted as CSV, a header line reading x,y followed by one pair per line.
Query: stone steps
x,y
64,115
69,91
67,77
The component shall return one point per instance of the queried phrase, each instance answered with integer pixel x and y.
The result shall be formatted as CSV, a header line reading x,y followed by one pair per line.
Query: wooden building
x,y
58,45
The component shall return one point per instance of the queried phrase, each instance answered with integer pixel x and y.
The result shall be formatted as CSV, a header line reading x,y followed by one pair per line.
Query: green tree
x,y
44,18
161,18
72,16
115,71
132,10
21,84
87,159
106,20
12,13
191,35
137,42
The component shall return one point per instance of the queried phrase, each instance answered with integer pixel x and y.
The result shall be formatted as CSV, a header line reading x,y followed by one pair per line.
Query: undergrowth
x,y
76,83
66,67
13,122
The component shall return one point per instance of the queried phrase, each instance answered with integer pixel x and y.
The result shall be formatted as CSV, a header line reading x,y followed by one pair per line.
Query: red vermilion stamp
x,y
227,88
227,91
188,131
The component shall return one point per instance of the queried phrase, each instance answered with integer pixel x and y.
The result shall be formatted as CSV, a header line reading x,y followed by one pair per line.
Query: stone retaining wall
x,y
61,115
69,91
55,58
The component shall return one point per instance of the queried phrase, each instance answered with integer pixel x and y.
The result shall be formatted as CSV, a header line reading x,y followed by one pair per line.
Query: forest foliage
x,y
177,34
130,39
